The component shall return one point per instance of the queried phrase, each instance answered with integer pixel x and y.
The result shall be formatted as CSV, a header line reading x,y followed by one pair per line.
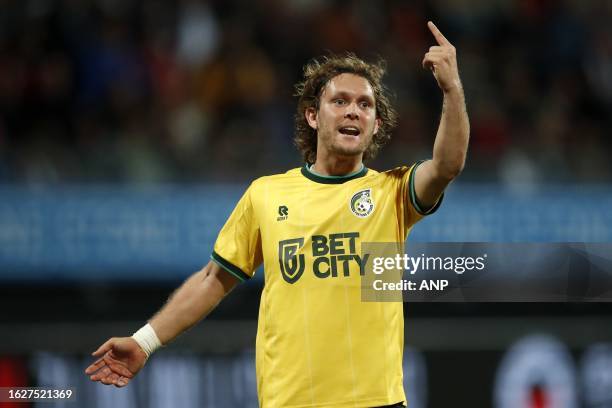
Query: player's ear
x,y
377,124
311,117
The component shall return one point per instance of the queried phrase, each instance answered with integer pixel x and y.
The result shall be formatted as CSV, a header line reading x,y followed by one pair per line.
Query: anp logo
x,y
362,204
291,265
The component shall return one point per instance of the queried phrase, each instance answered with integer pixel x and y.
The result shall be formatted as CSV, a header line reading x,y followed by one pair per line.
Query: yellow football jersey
x,y
318,344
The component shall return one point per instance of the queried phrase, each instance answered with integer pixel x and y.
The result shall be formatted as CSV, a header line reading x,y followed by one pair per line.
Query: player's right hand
x,y
119,360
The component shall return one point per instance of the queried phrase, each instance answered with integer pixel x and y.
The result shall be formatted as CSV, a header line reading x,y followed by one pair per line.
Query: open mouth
x,y
349,130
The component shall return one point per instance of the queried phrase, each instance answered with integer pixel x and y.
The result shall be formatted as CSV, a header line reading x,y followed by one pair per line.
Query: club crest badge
x,y
361,203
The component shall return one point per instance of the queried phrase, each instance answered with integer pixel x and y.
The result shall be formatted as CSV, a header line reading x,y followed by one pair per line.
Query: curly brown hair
x,y
317,73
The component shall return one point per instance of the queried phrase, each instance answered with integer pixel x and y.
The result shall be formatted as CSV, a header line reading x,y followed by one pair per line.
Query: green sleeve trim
x,y
413,197
229,267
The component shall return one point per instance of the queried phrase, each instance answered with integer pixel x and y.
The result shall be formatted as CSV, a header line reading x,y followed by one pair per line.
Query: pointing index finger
x,y
440,38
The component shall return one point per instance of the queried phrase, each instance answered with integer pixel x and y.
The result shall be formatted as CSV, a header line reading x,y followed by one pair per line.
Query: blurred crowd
x,y
131,91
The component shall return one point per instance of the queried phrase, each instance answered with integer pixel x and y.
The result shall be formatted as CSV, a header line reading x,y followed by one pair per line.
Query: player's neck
x,y
337,166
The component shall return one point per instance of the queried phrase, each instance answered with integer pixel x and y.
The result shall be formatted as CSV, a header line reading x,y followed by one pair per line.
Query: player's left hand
x,y
442,61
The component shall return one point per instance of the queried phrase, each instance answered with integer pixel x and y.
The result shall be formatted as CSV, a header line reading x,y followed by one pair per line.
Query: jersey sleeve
x,y
413,200
408,206
238,246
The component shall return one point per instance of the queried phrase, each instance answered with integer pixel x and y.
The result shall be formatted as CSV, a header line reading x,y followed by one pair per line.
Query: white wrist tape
x,y
147,339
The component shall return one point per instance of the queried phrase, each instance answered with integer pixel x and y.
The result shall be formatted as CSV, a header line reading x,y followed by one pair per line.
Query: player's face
x,y
346,119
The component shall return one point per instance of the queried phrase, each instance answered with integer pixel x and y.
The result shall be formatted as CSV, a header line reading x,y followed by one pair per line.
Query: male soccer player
x,y
318,344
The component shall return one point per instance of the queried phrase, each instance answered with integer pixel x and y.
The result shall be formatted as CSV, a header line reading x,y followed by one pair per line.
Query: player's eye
x,y
365,104
339,102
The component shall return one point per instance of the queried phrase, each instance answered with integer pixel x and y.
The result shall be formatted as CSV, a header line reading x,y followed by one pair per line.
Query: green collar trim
x,y
319,178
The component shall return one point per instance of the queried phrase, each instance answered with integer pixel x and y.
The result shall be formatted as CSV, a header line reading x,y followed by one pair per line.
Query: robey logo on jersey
x,y
332,255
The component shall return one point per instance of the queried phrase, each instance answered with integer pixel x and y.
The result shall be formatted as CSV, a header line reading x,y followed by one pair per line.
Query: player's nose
x,y
351,112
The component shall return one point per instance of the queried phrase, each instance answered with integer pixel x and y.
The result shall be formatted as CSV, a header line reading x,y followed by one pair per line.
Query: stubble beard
x,y
337,148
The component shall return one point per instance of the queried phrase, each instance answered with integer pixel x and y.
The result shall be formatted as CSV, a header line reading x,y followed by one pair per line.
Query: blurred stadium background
x,y
128,130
